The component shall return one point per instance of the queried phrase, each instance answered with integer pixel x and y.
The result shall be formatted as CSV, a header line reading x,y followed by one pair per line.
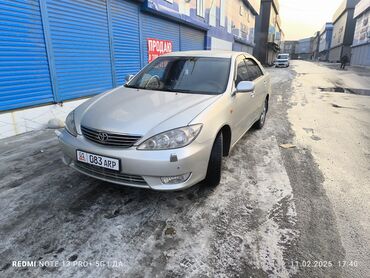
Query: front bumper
x,y
281,64
139,168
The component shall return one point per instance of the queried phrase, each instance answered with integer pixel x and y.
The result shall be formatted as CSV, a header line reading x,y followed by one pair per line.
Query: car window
x,y
253,69
152,78
241,71
202,75
283,56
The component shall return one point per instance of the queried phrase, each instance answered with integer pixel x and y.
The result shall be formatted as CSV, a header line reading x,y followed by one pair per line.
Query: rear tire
x,y
261,121
214,169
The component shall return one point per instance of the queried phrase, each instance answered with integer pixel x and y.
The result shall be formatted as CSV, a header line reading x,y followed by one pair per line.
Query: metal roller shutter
x,y
80,42
191,39
158,28
126,38
24,71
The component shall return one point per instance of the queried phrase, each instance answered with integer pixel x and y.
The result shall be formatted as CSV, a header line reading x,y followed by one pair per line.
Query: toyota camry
x,y
171,124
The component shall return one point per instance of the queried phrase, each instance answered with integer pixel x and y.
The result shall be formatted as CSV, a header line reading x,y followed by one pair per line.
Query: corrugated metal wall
x,y
56,50
361,55
183,38
191,39
80,41
335,54
126,38
24,71
155,27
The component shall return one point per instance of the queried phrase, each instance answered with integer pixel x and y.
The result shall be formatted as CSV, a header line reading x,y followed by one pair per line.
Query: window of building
x,y
229,27
222,13
200,8
212,14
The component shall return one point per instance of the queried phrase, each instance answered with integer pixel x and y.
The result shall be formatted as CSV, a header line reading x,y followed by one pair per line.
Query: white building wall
x,y
361,41
362,30
19,121
339,30
218,44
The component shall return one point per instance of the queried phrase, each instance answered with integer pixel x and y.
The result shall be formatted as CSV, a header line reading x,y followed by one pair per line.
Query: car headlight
x,y
70,124
172,139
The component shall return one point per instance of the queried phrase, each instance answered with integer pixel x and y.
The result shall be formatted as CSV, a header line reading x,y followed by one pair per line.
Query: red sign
x,y
157,48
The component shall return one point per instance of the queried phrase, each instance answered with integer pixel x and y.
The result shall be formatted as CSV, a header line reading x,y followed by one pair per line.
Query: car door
x,y
256,75
242,107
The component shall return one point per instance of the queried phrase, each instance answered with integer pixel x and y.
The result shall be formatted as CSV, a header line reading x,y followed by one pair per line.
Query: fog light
x,y
175,179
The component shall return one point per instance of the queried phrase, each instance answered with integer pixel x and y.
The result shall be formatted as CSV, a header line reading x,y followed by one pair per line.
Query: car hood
x,y
126,110
281,60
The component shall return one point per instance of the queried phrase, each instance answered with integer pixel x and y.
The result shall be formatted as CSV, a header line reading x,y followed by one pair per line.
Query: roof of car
x,y
207,53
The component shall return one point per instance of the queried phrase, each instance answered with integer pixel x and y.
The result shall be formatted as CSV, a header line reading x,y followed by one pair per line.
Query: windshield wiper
x,y
176,90
131,86
185,91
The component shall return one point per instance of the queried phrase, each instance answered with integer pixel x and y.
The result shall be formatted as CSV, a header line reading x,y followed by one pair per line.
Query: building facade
x,y
304,49
54,51
227,24
326,34
361,40
289,47
343,31
268,32
315,46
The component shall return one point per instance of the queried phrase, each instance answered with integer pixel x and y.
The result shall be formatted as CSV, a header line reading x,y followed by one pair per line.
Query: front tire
x,y
261,121
214,169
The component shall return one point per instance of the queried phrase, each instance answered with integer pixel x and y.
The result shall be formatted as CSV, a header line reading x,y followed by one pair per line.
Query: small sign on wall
x,y
157,48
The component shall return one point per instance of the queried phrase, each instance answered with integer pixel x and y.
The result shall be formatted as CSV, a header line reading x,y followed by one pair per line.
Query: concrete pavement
x,y
275,214
336,128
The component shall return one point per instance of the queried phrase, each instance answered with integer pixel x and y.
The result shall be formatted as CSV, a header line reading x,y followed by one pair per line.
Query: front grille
x,y
108,138
110,174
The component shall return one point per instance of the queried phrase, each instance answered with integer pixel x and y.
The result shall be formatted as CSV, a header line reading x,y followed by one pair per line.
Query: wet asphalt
x,y
269,217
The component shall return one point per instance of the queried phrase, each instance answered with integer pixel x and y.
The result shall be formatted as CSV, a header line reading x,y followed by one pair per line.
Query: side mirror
x,y
129,77
245,87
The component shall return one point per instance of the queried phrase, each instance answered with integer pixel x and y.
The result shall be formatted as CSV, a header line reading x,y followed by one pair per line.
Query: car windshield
x,y
283,56
198,75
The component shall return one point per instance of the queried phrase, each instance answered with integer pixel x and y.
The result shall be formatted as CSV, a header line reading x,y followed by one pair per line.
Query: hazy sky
x,y
302,18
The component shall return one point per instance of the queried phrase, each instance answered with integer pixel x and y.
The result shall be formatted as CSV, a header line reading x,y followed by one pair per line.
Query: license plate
x,y
98,160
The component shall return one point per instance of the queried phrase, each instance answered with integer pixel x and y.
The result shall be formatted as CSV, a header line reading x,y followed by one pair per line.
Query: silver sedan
x,y
171,124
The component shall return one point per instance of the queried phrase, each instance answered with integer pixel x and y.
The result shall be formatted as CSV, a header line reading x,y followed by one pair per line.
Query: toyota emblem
x,y
102,137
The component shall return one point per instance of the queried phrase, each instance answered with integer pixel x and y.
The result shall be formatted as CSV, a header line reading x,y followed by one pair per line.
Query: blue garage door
x,y
126,38
158,28
80,42
191,39
24,71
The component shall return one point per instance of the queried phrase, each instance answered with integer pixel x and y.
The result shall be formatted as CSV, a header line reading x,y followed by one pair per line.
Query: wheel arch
x,y
226,136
